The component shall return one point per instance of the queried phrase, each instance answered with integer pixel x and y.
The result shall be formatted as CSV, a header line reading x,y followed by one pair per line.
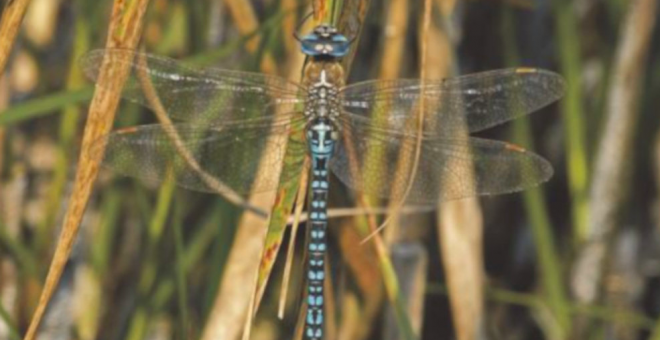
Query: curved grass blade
x,y
297,219
10,23
460,223
574,114
44,105
124,32
286,195
242,267
554,297
212,182
280,212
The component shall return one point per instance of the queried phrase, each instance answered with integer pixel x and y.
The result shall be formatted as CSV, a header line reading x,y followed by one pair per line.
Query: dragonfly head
x,y
325,42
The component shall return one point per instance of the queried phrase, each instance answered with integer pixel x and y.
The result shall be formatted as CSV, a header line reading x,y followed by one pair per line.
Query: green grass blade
x,y
23,256
286,194
45,105
180,270
6,318
554,294
52,103
574,115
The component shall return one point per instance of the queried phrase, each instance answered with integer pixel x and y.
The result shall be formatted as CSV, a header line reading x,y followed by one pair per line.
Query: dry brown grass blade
x,y
232,309
300,203
236,296
656,162
362,262
395,39
246,21
236,293
351,319
358,256
389,276
350,21
393,51
461,234
10,23
611,174
460,225
408,257
231,313
12,194
406,158
124,32
289,26
295,65
321,10
408,162
4,101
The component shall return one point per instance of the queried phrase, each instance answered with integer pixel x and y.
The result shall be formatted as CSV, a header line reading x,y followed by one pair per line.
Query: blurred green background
x,y
577,258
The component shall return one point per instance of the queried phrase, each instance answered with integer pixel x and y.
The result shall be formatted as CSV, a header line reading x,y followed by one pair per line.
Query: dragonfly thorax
x,y
323,82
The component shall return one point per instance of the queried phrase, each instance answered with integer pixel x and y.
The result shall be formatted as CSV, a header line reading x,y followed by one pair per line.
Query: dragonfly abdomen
x,y
321,139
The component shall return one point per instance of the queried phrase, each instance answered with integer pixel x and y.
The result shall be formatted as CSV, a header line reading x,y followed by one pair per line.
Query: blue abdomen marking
x,y
321,144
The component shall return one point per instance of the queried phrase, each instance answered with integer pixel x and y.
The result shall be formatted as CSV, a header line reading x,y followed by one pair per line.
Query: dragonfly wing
x,y
206,95
477,101
366,160
242,157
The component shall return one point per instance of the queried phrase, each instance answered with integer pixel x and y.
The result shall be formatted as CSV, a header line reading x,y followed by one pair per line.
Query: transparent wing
x,y
366,160
476,101
208,95
243,157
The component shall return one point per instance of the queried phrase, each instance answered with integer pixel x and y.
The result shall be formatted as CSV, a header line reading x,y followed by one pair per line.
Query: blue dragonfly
x,y
233,128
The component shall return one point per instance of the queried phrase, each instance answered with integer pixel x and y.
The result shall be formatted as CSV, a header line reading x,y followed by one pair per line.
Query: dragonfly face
x,y
325,43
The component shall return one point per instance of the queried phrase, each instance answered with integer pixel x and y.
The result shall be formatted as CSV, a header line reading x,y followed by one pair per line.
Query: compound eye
x,y
339,38
309,48
340,49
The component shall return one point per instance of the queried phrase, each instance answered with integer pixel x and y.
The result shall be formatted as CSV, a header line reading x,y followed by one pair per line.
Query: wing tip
x,y
543,167
539,165
552,82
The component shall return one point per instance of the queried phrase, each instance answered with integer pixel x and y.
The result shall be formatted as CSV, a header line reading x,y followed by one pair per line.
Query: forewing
x,y
243,157
477,101
204,95
448,168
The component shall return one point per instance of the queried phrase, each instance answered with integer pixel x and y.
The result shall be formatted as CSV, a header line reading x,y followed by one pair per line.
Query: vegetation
x,y
115,258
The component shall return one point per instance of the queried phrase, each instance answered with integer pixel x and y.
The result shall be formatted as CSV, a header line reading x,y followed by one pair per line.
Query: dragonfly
x,y
232,129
